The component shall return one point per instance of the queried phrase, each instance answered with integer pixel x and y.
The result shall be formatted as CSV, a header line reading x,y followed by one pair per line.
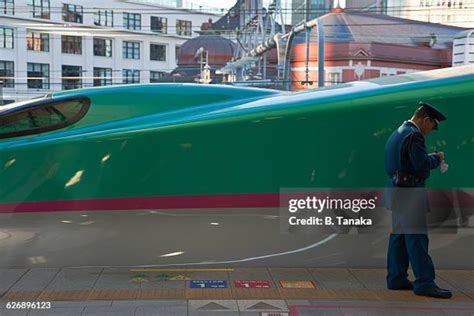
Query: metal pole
x,y
307,35
320,53
1,92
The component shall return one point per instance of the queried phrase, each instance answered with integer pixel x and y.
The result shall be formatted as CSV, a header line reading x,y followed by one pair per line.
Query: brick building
x,y
362,46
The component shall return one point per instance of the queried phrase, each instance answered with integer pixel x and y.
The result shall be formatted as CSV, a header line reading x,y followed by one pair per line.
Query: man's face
x,y
427,126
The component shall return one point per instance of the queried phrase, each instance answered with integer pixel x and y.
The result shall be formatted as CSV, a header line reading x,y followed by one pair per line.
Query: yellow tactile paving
x,y
300,293
113,294
64,295
231,293
21,296
386,295
145,294
218,294
297,284
243,294
183,270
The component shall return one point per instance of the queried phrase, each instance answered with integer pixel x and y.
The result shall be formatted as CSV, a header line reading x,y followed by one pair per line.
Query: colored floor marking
x,y
208,284
184,270
294,309
180,278
297,284
252,284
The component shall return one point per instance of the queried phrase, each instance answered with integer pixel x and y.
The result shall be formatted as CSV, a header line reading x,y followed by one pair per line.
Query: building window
x,y
176,52
72,77
102,76
6,37
131,50
132,21
72,13
39,9
156,75
37,41
7,74
5,102
7,7
159,24
333,78
131,76
102,47
71,44
104,18
183,27
38,76
157,52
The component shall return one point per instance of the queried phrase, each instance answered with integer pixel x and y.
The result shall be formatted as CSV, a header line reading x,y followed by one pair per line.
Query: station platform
x,y
223,291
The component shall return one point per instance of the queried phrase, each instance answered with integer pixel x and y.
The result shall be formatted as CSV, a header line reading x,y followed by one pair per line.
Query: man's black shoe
x,y
435,292
406,287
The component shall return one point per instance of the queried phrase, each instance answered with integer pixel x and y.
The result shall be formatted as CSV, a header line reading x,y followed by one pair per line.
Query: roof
x,y
230,21
220,50
465,34
370,27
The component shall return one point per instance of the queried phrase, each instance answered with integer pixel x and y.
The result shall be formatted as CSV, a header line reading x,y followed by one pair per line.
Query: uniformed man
x,y
408,166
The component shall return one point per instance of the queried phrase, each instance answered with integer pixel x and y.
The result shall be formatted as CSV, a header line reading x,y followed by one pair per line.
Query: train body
x,y
143,149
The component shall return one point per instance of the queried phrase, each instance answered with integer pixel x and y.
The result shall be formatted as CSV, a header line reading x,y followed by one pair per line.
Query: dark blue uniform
x,y
405,151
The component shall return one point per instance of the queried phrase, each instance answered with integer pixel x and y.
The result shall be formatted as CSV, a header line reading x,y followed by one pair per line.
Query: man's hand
x,y
441,155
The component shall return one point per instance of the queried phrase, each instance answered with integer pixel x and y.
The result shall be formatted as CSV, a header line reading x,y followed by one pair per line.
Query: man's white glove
x,y
443,166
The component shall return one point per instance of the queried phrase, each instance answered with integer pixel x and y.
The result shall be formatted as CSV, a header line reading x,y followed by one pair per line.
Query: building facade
x,y
451,12
51,45
317,8
463,48
360,46
373,6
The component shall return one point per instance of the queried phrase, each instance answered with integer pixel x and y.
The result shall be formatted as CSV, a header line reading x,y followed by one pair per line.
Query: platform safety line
x,y
229,293
184,270
293,309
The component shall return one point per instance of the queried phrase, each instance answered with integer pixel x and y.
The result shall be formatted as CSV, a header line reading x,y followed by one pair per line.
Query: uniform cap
x,y
432,112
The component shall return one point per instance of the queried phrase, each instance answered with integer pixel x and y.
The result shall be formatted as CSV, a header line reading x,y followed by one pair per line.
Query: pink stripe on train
x,y
135,203
438,199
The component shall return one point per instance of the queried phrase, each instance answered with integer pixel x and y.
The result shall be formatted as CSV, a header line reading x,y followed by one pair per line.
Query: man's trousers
x,y
409,248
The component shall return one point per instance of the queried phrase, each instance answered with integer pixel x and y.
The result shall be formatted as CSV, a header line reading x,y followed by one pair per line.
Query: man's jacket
x,y
405,151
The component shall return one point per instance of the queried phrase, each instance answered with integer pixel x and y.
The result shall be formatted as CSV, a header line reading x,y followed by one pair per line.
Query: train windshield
x,y
42,115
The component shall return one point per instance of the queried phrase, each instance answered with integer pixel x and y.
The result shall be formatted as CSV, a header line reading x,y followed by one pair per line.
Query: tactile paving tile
x,y
222,294
113,294
225,294
21,296
162,294
328,294
256,294
387,295
64,295
299,293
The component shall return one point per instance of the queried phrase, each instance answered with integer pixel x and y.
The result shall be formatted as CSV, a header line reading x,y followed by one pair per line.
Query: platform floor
x,y
282,292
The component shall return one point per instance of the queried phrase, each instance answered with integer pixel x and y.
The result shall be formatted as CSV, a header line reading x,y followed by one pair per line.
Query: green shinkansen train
x,y
152,147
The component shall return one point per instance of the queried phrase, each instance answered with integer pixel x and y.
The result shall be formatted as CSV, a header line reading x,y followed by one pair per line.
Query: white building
x,y
463,48
50,45
451,12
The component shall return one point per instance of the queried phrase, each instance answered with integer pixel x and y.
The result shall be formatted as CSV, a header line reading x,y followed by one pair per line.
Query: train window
x,y
38,117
